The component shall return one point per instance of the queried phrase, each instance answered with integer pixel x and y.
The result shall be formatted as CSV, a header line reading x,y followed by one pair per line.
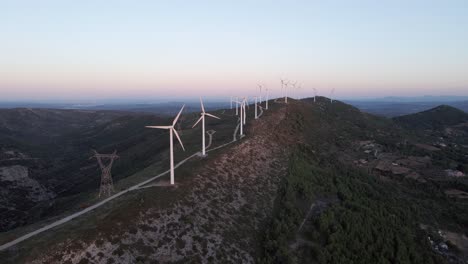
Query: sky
x,y
94,50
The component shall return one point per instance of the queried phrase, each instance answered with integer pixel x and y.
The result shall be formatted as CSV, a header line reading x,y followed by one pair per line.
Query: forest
x,y
367,220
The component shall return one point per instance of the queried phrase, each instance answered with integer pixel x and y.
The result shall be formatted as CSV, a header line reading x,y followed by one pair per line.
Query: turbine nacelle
x,y
202,118
171,128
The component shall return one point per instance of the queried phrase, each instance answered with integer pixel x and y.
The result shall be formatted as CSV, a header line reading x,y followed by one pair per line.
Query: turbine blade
x,y
212,116
160,127
177,136
202,107
197,121
178,115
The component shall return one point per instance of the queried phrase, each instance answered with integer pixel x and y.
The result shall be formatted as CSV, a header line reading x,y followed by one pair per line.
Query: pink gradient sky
x,y
90,50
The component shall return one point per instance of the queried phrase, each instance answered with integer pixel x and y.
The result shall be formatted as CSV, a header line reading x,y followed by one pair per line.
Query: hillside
x,y
312,182
435,118
400,107
44,161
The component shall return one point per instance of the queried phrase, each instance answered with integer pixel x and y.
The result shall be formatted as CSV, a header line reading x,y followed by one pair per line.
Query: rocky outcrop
x,y
19,193
213,216
17,177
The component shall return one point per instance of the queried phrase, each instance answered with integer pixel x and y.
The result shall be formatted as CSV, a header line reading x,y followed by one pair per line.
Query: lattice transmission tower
x,y
107,185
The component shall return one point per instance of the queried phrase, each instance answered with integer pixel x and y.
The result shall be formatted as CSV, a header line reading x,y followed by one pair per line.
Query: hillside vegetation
x,y
435,118
328,210
312,182
53,148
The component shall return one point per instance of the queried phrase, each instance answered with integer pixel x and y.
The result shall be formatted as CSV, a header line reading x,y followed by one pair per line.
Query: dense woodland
x,y
368,222
327,208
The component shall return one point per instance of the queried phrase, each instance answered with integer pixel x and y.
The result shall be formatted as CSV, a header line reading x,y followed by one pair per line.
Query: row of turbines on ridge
x,y
106,187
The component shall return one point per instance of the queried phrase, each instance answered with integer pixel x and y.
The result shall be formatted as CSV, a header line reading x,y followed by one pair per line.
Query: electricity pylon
x,y
107,185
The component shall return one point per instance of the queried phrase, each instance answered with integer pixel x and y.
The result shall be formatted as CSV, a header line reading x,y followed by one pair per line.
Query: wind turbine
x,y
241,121
331,95
294,90
315,94
202,118
266,101
172,131
299,93
284,85
260,88
256,116
231,102
243,107
237,105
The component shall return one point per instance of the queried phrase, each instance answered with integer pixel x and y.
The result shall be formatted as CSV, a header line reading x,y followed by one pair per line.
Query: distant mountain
x,y
435,118
312,181
417,99
44,155
160,108
397,108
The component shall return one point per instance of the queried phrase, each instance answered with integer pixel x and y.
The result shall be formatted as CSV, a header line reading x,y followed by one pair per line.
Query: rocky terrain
x,y
287,193
217,218
44,157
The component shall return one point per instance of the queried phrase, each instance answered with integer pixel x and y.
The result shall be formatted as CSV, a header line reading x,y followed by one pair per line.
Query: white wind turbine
x,y
315,94
331,95
266,101
284,87
172,131
256,116
202,118
231,102
260,88
241,119
294,90
299,93
244,102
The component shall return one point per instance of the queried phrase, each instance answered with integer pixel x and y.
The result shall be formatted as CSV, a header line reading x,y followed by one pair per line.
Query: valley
x,y
308,180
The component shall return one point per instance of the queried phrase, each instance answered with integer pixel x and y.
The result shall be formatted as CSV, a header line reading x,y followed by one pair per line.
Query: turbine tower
x,y
241,121
107,185
266,101
244,102
241,118
260,88
171,132
202,118
331,95
256,116
315,94
294,90
299,93
284,87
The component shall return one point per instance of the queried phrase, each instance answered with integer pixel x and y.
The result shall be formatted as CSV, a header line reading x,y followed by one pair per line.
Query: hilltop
x,y
435,118
44,157
402,107
312,182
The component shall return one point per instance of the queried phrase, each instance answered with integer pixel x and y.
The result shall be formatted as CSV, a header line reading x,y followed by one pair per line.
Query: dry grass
x,y
212,216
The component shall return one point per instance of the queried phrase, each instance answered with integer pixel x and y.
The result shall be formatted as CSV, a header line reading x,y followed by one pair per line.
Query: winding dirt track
x,y
214,216
101,203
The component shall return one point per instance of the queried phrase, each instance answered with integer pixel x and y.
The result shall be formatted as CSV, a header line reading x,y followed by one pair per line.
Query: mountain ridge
x,y
253,195
434,118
